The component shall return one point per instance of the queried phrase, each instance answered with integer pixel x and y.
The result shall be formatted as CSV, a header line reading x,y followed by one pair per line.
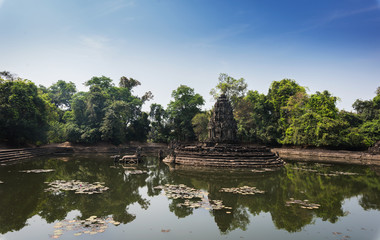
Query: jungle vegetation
x,y
286,115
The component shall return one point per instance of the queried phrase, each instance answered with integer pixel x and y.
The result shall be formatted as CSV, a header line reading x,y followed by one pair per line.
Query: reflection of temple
x,y
222,149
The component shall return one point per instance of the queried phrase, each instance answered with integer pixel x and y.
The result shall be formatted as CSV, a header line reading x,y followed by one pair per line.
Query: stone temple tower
x,y
222,126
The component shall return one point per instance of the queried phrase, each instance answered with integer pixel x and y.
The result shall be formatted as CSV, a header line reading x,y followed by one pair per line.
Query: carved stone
x,y
222,149
222,126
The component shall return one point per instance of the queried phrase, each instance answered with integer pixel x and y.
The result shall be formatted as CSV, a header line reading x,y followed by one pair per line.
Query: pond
x,y
90,197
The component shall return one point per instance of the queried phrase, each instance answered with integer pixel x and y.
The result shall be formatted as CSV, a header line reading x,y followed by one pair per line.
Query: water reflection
x,y
23,195
316,186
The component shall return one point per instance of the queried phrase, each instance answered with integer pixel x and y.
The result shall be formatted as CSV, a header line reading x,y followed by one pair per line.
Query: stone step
x,y
8,155
206,161
226,153
217,164
226,159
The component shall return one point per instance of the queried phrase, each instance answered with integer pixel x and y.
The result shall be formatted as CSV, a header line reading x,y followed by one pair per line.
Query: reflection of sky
x,y
327,44
196,223
200,225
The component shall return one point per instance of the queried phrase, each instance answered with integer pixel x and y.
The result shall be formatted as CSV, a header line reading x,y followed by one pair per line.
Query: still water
x,y
347,199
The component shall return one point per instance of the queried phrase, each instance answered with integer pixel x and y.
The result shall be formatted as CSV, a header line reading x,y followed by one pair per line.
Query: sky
x,y
329,45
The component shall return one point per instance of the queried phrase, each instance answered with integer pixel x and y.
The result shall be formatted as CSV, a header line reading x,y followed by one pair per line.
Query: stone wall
x,y
328,156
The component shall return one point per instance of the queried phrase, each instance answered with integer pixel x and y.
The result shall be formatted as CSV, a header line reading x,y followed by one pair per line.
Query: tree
x,y
323,104
200,123
138,130
61,93
368,109
8,76
107,113
182,109
102,82
112,128
234,89
129,83
23,112
278,95
253,115
159,129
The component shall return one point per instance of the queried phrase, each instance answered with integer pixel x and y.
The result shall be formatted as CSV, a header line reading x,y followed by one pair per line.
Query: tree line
x,y
286,115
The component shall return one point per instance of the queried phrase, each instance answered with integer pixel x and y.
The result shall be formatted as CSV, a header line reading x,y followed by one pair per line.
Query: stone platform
x,y
224,155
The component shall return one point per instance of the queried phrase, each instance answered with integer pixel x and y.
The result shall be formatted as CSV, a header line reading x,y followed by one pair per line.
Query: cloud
x,y
336,16
349,13
222,34
94,42
116,5
1,2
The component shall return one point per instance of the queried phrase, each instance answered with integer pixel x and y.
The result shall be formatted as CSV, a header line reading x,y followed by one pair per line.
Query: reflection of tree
x,y
279,187
18,201
158,175
371,196
31,198
181,211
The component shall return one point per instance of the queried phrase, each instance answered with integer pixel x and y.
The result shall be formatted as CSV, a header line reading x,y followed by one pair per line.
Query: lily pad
x,y
77,186
305,204
245,190
38,171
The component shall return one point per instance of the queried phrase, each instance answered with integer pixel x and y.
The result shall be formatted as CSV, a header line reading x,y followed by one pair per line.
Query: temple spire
x,y
222,125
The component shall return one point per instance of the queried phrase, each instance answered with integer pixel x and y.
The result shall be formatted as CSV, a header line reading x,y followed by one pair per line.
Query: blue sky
x,y
324,45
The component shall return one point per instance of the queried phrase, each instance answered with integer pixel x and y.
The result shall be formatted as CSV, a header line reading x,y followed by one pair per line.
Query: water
x,y
349,198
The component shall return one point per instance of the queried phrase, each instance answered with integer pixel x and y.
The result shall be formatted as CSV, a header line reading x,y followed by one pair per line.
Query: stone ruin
x,y
375,149
222,148
222,127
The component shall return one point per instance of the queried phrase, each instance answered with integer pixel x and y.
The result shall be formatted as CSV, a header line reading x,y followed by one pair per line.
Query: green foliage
x,y
112,128
128,83
56,132
200,123
234,89
286,115
254,118
316,122
106,113
371,131
101,82
61,93
181,110
6,75
323,104
279,94
73,132
159,127
368,110
23,112
139,128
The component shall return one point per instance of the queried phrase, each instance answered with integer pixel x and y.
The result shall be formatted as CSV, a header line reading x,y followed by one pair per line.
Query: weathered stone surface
x,y
222,126
375,149
329,156
222,149
225,155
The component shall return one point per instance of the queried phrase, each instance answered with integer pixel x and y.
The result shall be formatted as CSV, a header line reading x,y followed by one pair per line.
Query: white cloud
x,y
1,2
222,34
94,42
116,5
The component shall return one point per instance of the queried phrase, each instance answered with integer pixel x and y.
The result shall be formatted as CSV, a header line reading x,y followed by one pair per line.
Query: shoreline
x,y
329,156
290,154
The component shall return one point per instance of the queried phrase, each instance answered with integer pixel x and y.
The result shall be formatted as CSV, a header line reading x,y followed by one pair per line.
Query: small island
x,y
222,148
